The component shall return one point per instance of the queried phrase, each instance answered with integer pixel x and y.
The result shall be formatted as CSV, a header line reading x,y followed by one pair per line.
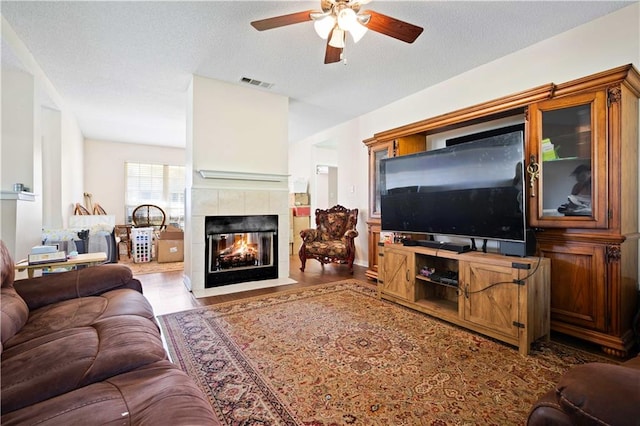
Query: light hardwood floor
x,y
167,293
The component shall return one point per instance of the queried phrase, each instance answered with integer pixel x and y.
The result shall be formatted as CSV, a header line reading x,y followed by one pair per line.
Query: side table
x,y
87,259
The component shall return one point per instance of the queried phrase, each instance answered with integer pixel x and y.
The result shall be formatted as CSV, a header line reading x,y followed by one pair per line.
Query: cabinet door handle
x,y
407,274
534,173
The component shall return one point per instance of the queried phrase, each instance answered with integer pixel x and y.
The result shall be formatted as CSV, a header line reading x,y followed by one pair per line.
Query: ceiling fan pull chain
x,y
343,54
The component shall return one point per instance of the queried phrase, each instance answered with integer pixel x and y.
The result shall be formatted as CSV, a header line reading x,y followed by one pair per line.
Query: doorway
x,y
326,186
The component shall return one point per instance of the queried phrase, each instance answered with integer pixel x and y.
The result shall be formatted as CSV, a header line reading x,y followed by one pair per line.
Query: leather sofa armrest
x,y
91,281
598,393
591,394
547,412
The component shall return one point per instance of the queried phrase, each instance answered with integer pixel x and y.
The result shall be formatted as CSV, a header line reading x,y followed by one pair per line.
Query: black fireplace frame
x,y
241,224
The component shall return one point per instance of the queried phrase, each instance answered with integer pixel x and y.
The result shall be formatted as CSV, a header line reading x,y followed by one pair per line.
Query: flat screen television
x,y
472,189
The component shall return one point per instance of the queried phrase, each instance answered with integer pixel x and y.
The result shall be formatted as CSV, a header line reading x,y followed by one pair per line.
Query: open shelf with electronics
x,y
506,298
437,282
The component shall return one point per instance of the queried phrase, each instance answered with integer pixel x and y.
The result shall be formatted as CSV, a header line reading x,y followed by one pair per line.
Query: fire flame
x,y
240,247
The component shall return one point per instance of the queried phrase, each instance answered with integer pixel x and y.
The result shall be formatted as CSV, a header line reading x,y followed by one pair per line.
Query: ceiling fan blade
x,y
281,21
332,54
393,27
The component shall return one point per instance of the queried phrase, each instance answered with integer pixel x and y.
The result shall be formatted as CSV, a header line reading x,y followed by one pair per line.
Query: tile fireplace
x,y
224,254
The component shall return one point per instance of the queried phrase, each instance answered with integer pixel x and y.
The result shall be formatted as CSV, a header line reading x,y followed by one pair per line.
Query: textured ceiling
x,y
124,67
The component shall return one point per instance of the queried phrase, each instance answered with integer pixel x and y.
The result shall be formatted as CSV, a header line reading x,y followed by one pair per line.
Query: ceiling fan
x,y
339,17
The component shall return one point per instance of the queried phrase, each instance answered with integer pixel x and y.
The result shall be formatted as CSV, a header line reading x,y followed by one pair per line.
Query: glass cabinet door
x,y
376,155
567,164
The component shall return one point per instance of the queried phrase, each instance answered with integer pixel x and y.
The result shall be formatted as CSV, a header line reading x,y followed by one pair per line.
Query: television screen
x,y
474,189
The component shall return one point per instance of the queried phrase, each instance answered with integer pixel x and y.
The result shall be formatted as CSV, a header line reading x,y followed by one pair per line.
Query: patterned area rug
x,y
336,354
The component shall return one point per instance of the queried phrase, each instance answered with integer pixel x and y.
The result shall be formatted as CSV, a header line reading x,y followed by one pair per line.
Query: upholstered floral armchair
x,y
333,238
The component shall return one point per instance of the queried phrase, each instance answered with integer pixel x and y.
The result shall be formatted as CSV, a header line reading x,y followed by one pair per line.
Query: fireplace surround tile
x,y
197,265
225,198
204,201
258,203
232,202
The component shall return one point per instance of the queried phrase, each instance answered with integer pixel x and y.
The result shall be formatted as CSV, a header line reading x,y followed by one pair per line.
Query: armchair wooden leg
x,y
303,259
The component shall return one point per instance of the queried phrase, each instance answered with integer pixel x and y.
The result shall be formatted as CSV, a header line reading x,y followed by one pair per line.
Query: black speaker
x,y
520,249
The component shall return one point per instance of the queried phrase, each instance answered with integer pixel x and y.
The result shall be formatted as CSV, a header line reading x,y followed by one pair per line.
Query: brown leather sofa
x,y
83,347
592,394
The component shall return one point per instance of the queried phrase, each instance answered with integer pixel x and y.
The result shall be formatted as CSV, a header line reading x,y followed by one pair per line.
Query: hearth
x,y
240,249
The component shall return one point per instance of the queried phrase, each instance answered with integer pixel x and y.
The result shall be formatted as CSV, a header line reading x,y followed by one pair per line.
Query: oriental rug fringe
x,y
337,355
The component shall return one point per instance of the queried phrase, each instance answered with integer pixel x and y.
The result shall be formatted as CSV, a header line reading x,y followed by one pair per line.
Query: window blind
x,y
159,184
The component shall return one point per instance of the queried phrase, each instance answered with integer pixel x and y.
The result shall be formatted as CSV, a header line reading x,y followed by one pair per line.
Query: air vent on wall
x,y
254,82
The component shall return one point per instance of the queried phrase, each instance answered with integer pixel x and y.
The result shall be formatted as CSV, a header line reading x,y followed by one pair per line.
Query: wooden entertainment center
x,y
586,125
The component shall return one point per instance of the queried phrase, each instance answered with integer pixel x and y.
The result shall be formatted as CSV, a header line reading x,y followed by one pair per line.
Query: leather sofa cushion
x,y
7,268
155,394
13,315
67,359
14,311
82,312
590,394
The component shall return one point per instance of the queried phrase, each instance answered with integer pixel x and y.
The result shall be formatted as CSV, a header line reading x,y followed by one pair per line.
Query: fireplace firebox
x,y
240,249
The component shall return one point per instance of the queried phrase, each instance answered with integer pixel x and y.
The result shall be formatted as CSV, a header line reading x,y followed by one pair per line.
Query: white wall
x,y
51,170
104,171
238,129
20,219
599,45
71,167
37,109
18,97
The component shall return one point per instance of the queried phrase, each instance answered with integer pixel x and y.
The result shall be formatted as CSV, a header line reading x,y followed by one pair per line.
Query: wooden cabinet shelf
x,y
501,297
425,279
440,306
593,123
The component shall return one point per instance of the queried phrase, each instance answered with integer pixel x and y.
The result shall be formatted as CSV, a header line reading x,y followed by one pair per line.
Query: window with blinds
x,y
158,184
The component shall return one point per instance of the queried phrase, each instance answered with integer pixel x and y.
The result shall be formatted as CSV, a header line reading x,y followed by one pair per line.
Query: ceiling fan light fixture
x,y
324,26
363,18
336,18
337,38
357,32
347,19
